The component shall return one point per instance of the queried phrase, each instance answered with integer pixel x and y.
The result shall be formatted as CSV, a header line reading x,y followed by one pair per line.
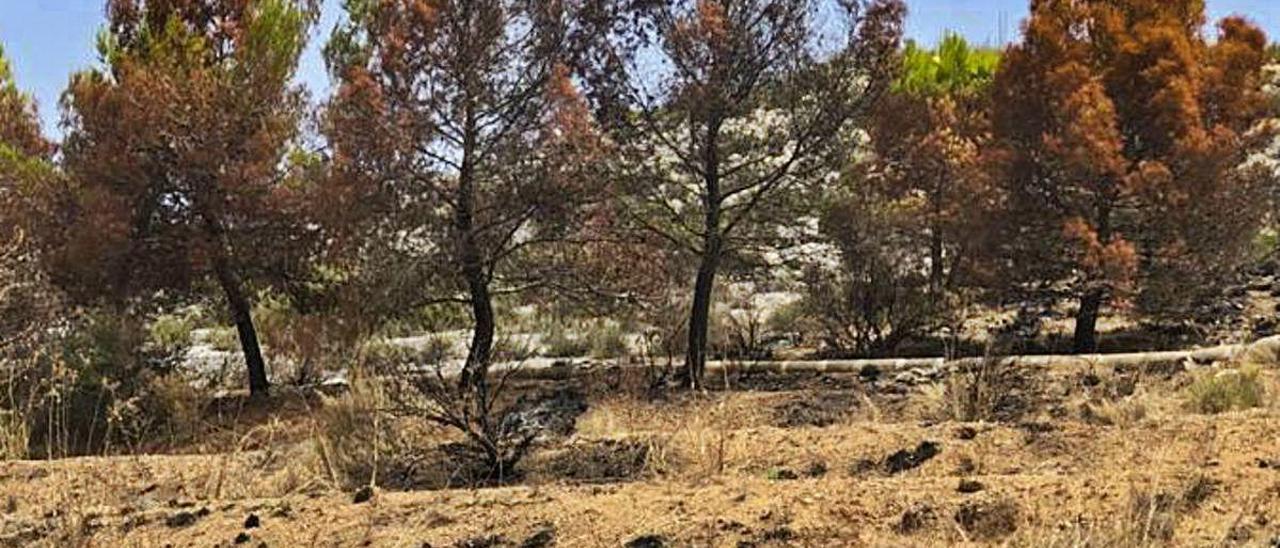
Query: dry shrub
x,y
343,438
875,298
600,460
1114,398
100,383
492,432
27,315
694,452
651,369
993,389
27,381
359,444
687,439
1265,353
14,435
1149,519
1226,390
988,520
20,399
150,403
491,446
1124,412
644,381
73,524
300,345
915,519
167,412
743,322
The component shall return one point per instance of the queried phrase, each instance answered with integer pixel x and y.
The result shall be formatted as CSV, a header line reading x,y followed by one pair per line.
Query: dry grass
x,y
1125,412
1149,518
715,470
992,390
1109,398
14,435
348,436
356,442
688,439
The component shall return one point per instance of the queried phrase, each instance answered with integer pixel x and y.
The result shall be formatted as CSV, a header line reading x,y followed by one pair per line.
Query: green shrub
x,y
300,344
170,333
382,356
558,342
608,341
223,338
509,349
1226,390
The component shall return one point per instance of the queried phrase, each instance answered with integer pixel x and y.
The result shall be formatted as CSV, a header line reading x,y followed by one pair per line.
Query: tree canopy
x,y
1125,134
175,147
751,108
954,67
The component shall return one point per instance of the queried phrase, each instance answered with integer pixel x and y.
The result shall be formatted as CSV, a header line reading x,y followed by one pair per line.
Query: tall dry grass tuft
x,y
688,439
695,450
1117,398
1149,519
38,408
15,436
15,416
994,389
349,434
97,384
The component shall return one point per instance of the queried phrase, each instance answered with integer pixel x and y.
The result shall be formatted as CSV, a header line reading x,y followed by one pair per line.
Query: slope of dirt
x,y
786,468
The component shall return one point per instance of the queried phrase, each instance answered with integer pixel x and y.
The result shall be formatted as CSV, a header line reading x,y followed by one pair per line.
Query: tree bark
x,y
936,273
478,356
1085,339
700,315
475,370
242,315
699,320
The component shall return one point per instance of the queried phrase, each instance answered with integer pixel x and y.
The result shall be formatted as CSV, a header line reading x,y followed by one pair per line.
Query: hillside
x,y
1076,457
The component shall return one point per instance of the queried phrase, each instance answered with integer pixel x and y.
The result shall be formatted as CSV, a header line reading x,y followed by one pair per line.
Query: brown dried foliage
x,y
1124,136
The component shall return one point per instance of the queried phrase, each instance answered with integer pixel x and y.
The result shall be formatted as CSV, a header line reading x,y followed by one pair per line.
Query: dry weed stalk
x,y
994,389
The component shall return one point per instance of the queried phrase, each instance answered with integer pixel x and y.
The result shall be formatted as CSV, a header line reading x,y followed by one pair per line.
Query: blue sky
x,y
47,40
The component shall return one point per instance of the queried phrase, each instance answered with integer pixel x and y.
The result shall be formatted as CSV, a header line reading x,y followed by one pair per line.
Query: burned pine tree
x,y
174,150
726,111
460,153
